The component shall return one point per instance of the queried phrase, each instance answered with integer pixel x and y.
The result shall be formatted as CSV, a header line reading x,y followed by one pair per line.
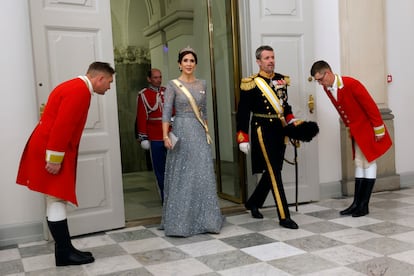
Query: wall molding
x,y
131,54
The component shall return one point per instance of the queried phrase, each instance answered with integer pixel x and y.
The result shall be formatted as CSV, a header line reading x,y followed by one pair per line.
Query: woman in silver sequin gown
x,y
190,204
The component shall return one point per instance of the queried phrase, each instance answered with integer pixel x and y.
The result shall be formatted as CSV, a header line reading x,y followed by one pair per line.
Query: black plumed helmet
x,y
305,131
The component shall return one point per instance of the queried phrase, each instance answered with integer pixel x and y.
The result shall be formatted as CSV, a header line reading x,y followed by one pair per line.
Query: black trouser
x,y
262,190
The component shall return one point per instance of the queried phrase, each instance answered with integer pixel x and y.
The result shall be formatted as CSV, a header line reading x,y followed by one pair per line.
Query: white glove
x,y
145,145
244,147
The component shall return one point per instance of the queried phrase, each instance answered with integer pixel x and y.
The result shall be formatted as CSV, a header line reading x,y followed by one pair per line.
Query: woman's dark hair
x,y
185,52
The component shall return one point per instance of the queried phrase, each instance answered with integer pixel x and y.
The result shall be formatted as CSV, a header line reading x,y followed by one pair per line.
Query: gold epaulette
x,y
248,83
287,80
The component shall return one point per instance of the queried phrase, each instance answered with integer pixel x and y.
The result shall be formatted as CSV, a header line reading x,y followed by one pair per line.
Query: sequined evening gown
x,y
190,204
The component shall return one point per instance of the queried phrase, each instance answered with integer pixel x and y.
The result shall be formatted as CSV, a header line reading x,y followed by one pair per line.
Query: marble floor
x,y
381,243
142,200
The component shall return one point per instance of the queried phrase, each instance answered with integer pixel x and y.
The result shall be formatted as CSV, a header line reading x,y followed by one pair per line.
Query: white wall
x,y
18,114
327,47
400,58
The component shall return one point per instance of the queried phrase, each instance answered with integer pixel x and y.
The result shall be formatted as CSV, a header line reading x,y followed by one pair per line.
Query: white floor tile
x,y
39,262
356,222
283,234
351,235
262,269
230,231
144,245
345,255
309,208
342,271
407,256
205,248
112,265
187,267
272,251
405,237
9,254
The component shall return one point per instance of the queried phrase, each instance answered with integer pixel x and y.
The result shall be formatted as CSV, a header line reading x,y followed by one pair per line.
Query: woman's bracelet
x,y
166,137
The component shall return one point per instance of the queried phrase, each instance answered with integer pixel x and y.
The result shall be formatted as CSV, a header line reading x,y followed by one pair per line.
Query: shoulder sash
x,y
194,107
271,97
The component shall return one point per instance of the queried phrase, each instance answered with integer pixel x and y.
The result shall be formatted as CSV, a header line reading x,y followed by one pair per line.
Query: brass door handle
x,y
311,103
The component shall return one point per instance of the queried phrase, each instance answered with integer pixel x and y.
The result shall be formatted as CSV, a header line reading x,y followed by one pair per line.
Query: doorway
x,y
149,34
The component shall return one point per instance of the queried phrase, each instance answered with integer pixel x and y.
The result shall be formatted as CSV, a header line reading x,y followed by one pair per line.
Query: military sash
x,y
271,97
194,107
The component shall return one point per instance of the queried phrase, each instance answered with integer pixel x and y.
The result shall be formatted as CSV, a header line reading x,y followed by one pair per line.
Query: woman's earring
x,y
179,68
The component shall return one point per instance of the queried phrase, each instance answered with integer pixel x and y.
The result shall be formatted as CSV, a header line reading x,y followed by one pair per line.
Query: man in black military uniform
x,y
265,96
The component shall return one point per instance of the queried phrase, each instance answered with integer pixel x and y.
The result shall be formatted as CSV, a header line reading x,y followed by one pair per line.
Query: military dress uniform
x,y
56,139
150,103
361,116
267,139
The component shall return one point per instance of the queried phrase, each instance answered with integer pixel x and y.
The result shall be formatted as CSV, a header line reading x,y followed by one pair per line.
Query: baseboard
x,y
407,180
22,233
330,190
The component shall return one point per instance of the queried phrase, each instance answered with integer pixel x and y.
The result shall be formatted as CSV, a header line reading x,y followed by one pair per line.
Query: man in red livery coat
x,y
150,103
370,138
264,108
49,160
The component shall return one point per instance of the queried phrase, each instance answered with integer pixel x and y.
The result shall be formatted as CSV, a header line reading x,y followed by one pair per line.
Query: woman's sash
x,y
194,107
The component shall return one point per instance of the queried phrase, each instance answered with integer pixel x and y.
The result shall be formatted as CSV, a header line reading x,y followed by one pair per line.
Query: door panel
x,y
224,56
287,26
67,36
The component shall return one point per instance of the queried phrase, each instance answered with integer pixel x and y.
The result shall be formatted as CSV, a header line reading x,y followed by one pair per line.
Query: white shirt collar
x,y
334,86
87,82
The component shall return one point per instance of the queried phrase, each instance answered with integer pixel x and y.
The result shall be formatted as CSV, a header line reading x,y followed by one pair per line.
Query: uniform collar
x,y
87,82
267,75
156,89
337,84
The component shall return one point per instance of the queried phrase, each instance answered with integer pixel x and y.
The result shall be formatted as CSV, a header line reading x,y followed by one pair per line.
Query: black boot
x,y
86,253
254,211
65,253
357,194
367,187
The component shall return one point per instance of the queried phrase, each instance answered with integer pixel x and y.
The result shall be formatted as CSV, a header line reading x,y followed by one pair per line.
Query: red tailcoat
x,y
360,114
60,130
149,114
